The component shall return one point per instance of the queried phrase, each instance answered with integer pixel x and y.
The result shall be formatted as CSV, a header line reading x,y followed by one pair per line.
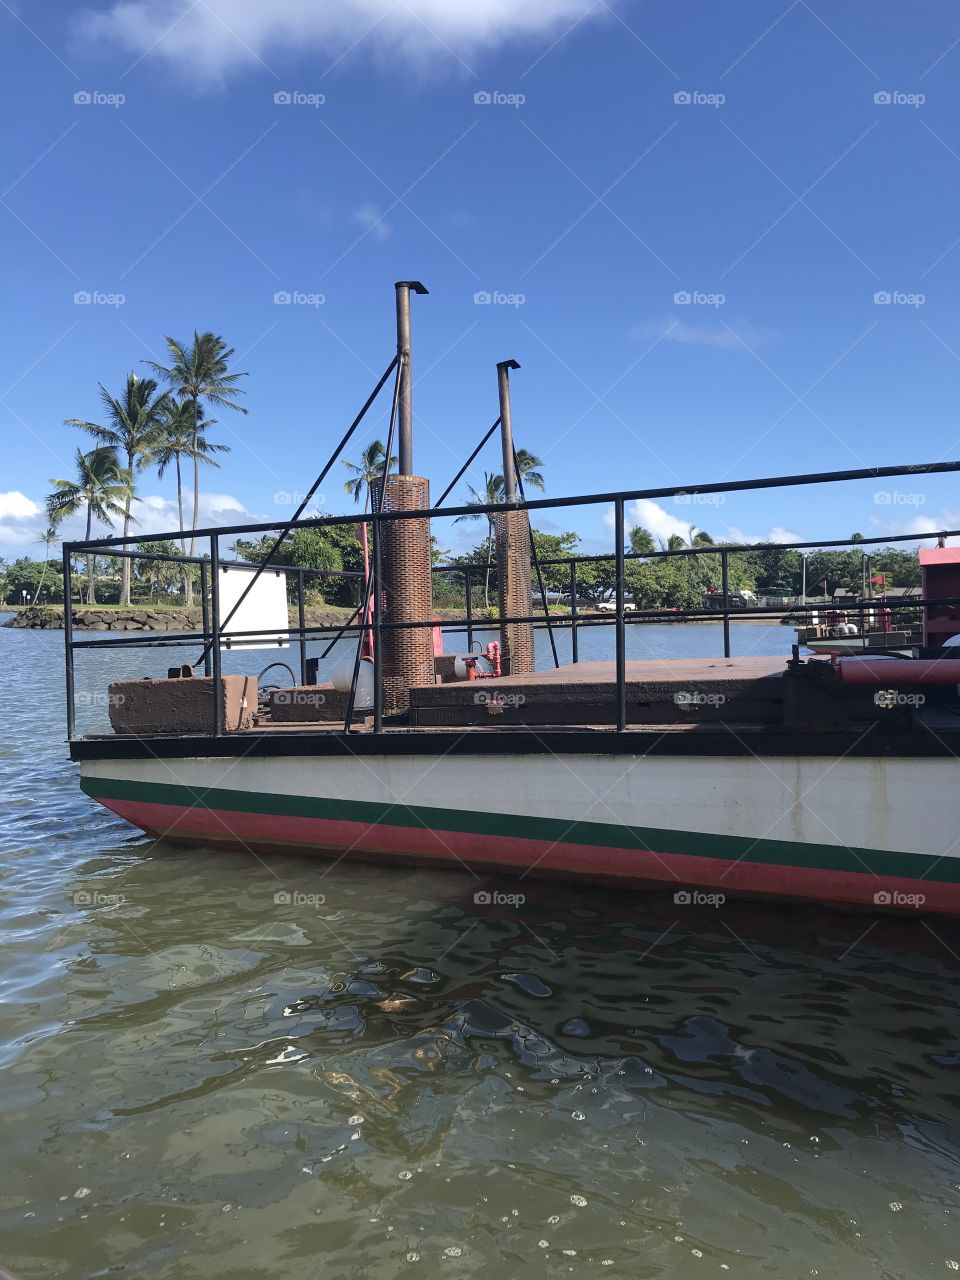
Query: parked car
x,y
610,606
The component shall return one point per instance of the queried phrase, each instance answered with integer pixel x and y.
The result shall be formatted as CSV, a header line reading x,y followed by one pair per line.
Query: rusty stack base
x,y
407,593
515,592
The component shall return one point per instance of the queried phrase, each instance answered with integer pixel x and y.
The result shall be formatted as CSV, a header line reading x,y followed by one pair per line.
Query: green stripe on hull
x,y
697,844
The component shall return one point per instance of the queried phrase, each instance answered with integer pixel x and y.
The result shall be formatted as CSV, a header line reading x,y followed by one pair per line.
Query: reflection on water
x,y
218,1067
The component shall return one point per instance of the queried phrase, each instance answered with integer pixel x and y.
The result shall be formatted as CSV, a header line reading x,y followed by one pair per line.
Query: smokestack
x,y
407,560
403,288
514,585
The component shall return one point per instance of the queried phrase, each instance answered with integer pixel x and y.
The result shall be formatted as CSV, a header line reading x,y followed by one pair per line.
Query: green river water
x,y
203,1079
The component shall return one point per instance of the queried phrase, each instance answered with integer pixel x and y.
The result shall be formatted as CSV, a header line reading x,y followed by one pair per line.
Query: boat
x,y
793,777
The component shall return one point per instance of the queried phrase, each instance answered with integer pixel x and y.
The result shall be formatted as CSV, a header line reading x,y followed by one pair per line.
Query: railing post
x,y
574,644
377,631
621,636
468,579
205,615
68,642
302,622
215,635
725,588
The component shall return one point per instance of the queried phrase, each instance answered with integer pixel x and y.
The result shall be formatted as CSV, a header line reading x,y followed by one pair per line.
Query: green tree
x,y
48,540
492,495
200,371
370,470
135,421
528,469
102,488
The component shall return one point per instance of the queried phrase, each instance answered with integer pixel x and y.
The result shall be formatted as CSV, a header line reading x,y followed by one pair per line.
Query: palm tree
x,y
372,468
641,540
695,538
492,495
178,440
101,486
47,540
197,372
527,464
135,424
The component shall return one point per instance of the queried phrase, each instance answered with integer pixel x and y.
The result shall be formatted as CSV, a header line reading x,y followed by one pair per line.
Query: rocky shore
x,y
112,618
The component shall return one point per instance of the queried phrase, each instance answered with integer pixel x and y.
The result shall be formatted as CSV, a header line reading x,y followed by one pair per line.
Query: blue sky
x,y
781,164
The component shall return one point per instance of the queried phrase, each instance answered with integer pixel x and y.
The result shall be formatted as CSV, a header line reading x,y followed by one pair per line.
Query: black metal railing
x,y
213,625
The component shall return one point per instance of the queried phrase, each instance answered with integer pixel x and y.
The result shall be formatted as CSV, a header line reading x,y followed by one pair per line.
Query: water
x,y
200,1082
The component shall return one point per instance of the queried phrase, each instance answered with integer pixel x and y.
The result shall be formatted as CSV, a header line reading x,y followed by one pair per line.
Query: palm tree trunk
x,y
127,564
91,581
183,541
43,574
486,583
196,496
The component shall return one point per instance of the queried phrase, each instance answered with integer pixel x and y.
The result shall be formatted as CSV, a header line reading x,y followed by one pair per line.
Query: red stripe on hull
x,y
597,863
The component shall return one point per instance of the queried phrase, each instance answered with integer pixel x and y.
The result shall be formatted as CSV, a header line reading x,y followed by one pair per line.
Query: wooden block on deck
x,y
180,706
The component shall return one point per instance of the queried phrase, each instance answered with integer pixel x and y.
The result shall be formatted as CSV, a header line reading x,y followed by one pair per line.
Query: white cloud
x,y
19,534
650,515
15,505
371,219
219,36
733,336
776,534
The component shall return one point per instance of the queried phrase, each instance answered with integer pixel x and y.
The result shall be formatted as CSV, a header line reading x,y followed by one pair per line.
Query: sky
x,y
720,240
